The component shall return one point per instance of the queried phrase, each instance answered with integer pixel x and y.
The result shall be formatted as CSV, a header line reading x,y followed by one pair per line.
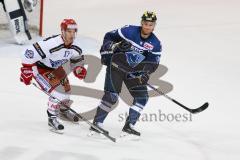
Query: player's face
x,y
69,35
147,27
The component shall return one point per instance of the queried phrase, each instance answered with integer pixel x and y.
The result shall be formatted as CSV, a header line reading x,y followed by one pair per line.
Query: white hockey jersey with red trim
x,y
52,52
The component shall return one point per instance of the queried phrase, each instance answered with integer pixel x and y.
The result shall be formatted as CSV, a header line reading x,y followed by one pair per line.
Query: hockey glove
x,y
122,46
143,79
107,51
111,47
26,74
80,72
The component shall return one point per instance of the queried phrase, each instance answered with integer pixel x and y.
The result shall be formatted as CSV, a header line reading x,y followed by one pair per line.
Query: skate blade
x,y
127,136
55,130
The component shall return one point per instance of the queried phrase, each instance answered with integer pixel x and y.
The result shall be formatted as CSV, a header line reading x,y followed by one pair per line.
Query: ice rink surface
x,y
201,51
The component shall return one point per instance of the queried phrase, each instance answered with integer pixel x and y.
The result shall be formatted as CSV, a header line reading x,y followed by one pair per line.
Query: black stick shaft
x,y
197,110
173,100
79,116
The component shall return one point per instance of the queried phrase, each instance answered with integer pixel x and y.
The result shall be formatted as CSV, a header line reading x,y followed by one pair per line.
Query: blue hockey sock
x,y
133,116
100,115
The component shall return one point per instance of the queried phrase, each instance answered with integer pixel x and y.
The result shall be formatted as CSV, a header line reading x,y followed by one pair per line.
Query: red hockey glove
x,y
26,74
80,72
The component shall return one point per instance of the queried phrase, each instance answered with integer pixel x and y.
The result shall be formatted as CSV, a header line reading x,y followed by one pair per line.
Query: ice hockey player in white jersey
x,y
44,62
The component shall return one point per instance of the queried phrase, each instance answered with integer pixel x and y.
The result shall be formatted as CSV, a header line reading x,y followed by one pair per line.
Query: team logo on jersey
x,y
134,58
58,63
29,54
148,46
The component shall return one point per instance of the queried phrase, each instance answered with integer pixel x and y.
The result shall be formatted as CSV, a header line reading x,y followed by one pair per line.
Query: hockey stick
x,y
100,130
193,111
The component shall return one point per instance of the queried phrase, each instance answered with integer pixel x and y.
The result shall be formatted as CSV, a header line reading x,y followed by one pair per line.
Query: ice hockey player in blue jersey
x,y
138,50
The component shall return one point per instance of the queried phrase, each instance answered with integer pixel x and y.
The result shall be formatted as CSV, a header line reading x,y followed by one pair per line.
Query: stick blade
x,y
200,109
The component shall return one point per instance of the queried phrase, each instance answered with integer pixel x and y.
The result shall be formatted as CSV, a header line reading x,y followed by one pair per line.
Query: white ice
x,y
200,41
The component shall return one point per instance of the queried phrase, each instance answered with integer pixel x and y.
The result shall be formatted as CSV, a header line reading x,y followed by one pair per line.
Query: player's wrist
x,y
28,65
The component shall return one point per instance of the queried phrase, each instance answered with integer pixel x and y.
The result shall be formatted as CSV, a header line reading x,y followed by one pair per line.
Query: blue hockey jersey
x,y
151,46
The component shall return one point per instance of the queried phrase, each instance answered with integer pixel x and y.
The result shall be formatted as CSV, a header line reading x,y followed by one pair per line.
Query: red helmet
x,y
68,24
